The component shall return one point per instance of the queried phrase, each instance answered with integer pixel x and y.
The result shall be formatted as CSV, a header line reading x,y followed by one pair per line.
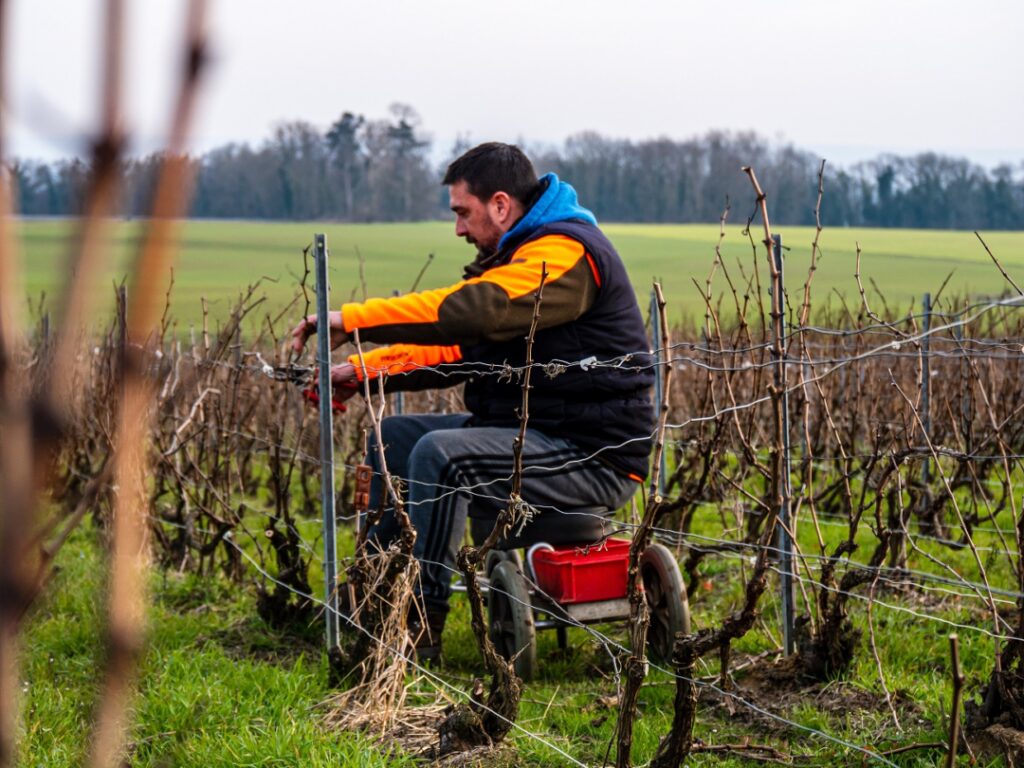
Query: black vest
x,y
605,409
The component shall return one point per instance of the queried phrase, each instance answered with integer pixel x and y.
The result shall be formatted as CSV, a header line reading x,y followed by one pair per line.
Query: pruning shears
x,y
292,373
303,376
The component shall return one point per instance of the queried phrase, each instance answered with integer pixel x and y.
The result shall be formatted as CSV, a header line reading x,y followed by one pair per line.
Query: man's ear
x,y
501,205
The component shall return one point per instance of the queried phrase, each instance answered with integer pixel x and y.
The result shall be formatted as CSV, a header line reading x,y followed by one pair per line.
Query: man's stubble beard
x,y
484,252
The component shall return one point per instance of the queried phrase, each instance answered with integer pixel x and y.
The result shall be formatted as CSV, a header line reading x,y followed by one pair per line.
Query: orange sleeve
x,y
521,276
402,358
495,306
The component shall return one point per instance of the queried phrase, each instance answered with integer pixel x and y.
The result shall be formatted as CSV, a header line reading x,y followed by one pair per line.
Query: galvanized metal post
x,y
656,352
323,358
926,380
783,539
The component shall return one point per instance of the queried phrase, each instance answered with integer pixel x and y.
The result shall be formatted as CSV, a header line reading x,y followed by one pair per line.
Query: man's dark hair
x,y
495,167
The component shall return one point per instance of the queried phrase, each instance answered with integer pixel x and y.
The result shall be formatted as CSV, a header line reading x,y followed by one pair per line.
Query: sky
x,y
846,80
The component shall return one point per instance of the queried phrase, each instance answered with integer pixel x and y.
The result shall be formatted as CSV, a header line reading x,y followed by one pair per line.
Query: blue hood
x,y
557,203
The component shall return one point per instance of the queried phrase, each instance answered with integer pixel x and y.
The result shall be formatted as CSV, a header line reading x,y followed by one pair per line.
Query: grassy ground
x,y
218,687
220,258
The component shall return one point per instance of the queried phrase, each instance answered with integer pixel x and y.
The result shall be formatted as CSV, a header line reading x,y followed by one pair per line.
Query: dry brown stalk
x,y
777,392
750,454
982,571
755,277
809,470
874,651
362,271
954,712
423,271
806,308
759,752
470,725
762,205
860,288
515,502
902,519
130,555
49,548
706,294
681,510
676,745
778,352
413,729
912,747
998,265
779,469
16,482
381,646
89,248
635,666
21,572
1004,692
17,462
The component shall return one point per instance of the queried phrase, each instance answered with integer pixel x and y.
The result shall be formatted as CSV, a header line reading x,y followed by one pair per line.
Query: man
x,y
590,415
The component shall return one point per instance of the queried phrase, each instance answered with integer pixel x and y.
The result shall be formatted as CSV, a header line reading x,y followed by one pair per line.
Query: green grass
x,y
219,687
219,258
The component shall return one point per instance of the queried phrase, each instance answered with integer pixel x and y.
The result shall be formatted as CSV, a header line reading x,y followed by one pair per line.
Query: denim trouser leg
x,y
400,435
452,472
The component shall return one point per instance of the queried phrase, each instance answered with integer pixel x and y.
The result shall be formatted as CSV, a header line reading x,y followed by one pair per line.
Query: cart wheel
x,y
666,601
496,556
510,617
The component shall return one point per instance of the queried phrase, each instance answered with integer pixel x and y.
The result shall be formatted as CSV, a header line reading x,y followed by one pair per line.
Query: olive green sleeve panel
x,y
497,306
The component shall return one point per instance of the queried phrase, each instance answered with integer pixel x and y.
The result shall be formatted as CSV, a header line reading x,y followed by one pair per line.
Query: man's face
x,y
481,223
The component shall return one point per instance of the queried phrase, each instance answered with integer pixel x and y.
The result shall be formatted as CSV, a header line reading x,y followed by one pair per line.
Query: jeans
x,y
452,472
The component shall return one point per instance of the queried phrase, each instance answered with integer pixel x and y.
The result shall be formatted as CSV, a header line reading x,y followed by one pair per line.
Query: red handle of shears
x,y
338,406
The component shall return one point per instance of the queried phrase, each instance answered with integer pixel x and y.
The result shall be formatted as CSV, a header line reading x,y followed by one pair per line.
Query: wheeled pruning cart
x,y
555,587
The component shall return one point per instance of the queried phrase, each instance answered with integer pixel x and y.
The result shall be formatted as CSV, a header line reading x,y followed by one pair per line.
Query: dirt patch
x,y
501,755
998,741
778,689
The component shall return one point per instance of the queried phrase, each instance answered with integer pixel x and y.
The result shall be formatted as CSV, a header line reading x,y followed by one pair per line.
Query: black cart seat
x,y
579,526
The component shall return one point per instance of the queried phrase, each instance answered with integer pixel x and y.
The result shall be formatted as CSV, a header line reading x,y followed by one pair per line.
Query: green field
x,y
219,258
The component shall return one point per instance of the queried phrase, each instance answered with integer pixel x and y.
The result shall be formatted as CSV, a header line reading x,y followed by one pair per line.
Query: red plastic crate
x,y
570,575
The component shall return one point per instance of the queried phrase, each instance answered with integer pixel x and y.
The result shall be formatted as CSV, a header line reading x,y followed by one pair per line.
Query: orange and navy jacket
x,y
594,388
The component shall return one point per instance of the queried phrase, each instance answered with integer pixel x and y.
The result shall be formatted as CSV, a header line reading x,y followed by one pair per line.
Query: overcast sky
x,y
846,80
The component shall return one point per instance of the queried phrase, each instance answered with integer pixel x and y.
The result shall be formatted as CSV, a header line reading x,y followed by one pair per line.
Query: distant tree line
x,y
381,170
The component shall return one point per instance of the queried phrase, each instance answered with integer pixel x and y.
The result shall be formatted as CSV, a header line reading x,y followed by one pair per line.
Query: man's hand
x,y
344,385
307,328
344,381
